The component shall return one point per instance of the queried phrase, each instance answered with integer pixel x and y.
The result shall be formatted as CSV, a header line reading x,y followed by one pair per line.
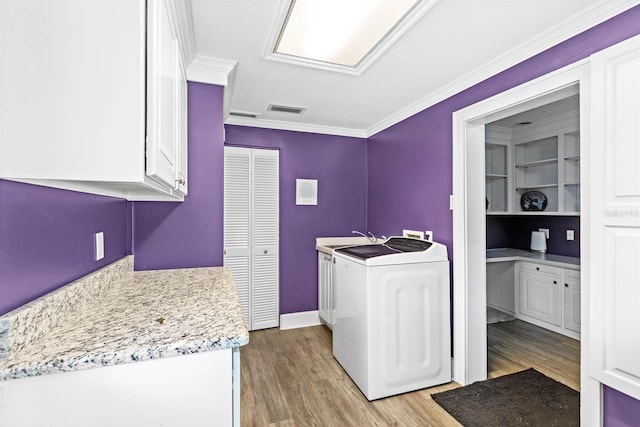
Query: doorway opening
x,y
470,212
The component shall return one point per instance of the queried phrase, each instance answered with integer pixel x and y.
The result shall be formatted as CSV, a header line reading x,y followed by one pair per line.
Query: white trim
x,y
469,292
301,319
369,59
215,71
294,126
561,32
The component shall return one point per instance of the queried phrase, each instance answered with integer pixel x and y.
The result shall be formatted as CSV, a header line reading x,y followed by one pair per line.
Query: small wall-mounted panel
x,y
306,191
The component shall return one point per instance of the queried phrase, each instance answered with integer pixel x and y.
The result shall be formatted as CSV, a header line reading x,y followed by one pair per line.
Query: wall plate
x,y
306,191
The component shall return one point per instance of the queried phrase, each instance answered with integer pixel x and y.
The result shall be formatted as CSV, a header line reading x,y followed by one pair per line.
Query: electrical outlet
x,y
546,232
428,235
570,235
99,246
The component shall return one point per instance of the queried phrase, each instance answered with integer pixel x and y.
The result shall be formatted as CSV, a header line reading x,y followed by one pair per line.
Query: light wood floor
x,y
290,378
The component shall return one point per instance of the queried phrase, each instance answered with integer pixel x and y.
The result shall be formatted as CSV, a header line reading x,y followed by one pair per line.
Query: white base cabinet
x,y
325,289
199,389
95,97
549,297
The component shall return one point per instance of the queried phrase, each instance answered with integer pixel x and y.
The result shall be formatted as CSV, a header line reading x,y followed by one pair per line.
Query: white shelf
x,y
538,163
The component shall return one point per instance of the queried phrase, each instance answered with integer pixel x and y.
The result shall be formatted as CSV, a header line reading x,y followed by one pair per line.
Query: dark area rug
x,y
526,398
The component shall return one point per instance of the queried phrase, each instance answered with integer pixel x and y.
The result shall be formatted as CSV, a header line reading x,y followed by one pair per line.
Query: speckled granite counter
x,y
140,316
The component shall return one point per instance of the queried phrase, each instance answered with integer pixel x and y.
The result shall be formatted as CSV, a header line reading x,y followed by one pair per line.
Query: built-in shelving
x,y
543,158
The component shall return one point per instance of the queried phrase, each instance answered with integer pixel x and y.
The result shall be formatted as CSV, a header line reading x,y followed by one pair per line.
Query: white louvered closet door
x,y
251,217
264,256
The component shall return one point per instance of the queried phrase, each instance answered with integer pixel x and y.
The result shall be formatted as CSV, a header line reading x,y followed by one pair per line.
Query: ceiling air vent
x,y
286,109
246,114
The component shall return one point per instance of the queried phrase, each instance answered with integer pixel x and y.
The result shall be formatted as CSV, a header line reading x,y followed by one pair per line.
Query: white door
x,y
614,208
251,231
264,238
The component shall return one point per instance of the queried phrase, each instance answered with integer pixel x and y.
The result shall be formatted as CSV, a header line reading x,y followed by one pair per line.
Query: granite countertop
x,y
146,315
509,254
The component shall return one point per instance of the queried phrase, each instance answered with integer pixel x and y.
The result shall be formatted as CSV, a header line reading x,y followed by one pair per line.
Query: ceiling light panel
x,y
339,31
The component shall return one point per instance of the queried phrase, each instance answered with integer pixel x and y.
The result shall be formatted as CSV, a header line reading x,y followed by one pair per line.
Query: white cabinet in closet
x,y
251,231
549,297
540,293
98,105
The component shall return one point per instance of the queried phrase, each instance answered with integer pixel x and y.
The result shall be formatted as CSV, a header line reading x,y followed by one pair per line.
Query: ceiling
x,y
547,111
456,44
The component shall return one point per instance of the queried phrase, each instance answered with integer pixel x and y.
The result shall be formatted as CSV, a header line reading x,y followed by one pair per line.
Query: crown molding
x,y
565,30
215,71
295,126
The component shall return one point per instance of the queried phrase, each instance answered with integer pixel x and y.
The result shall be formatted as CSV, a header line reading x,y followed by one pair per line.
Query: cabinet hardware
x,y
265,251
566,285
181,181
224,252
555,282
538,268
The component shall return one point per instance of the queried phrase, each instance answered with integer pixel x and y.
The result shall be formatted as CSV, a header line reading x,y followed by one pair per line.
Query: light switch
x,y
570,235
99,252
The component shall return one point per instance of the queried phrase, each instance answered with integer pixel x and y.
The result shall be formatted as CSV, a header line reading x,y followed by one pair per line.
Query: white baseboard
x,y
301,319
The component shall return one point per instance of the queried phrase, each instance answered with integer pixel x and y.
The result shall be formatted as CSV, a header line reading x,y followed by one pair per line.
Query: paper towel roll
x,y
538,241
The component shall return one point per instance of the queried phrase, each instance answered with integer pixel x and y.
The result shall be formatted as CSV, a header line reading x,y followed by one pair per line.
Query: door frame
x,y
469,224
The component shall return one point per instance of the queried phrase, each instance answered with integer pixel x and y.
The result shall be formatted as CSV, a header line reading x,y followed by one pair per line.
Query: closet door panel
x,y
265,232
237,227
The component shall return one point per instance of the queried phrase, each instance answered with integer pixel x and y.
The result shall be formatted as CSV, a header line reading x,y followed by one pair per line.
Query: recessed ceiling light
x,y
339,32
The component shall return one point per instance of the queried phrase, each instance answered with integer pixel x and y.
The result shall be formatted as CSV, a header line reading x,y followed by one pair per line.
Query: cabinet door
x,y
182,131
72,85
325,288
323,297
571,300
614,220
540,297
162,91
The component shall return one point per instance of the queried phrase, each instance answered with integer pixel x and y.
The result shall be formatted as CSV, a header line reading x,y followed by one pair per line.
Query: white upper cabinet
x,y
93,97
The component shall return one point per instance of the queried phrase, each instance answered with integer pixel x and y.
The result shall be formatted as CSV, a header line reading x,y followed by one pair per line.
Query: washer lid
x,y
368,251
393,245
408,244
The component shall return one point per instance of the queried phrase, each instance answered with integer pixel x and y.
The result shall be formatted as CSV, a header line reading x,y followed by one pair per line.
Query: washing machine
x,y
392,315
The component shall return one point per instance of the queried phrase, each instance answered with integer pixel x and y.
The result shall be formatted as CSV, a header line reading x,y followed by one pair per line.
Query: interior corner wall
x,y
339,165
188,234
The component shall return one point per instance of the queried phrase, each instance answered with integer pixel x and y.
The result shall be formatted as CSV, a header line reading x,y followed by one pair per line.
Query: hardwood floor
x,y
290,378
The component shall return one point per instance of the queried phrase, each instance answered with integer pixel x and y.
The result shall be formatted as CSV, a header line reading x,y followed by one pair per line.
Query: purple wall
x,y
47,238
339,165
620,409
515,232
419,152
188,234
